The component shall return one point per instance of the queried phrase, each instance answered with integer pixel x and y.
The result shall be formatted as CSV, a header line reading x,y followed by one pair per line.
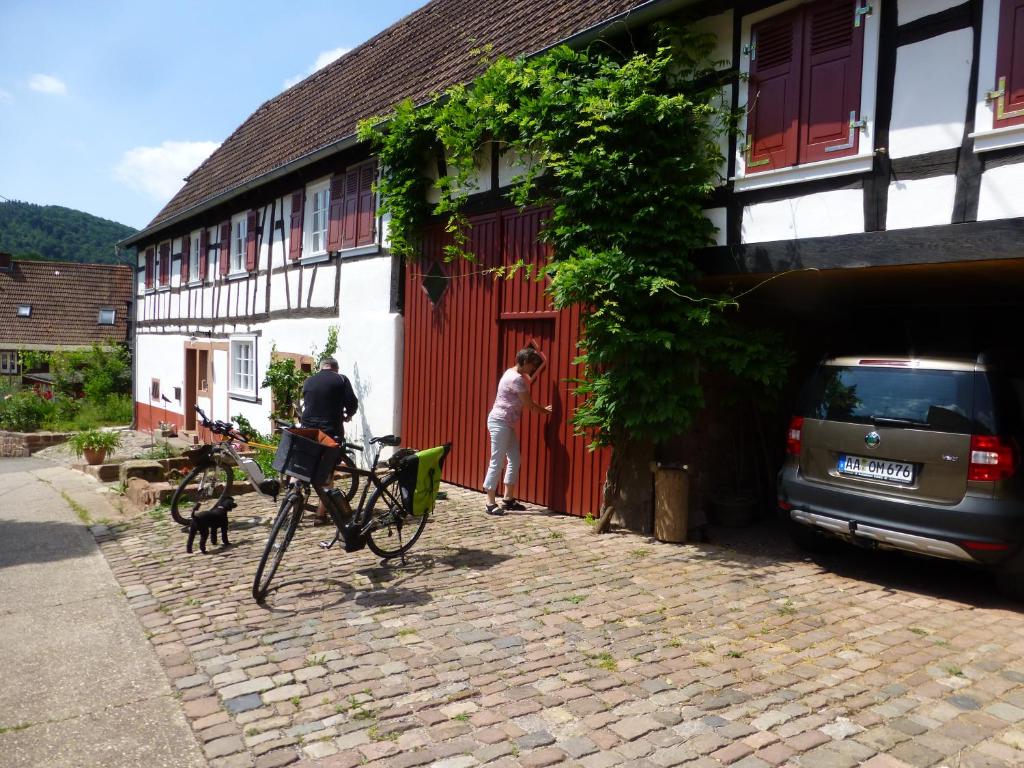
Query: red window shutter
x,y
203,255
150,258
295,238
350,214
366,207
165,263
186,250
224,250
773,103
337,212
832,62
1007,99
250,241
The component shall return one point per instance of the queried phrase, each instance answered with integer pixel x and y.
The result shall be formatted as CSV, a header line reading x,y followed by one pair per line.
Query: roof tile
x,y
66,298
417,57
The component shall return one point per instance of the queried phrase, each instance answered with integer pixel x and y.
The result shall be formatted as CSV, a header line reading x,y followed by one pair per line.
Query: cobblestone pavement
x,y
527,641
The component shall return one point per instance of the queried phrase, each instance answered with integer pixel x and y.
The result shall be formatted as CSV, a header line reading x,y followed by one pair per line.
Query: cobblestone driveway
x,y
525,640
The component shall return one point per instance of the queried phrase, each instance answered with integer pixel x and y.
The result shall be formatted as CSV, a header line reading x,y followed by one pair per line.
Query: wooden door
x,y
538,435
191,385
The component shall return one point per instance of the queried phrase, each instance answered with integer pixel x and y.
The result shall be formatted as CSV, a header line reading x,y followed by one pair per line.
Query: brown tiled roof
x,y
415,58
66,299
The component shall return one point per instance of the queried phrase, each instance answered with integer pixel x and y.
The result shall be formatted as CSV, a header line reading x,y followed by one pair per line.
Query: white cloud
x,y
48,84
159,171
322,61
5,97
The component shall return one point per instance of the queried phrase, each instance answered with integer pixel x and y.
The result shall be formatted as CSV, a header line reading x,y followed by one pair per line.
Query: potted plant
x,y
94,444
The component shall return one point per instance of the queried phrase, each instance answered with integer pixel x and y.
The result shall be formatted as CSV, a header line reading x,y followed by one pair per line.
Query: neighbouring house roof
x,y
417,57
65,300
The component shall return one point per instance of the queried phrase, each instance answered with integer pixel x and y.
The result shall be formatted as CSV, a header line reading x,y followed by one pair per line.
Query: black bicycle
x,y
393,507
213,470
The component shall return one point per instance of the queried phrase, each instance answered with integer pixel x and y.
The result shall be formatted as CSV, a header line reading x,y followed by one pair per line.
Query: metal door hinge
x,y
748,151
863,9
855,125
999,97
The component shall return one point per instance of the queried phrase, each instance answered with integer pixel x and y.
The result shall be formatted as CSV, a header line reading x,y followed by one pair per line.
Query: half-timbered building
x,y
877,175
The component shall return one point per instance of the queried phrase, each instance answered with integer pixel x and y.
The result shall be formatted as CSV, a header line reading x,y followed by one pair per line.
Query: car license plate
x,y
876,469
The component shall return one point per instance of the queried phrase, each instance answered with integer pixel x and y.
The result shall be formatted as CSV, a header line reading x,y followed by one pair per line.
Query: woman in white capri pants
x,y
512,397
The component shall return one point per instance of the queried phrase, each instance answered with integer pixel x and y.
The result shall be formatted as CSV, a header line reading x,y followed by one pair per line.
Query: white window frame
x,y
193,258
309,234
239,231
157,285
113,316
242,383
24,310
820,169
9,362
986,137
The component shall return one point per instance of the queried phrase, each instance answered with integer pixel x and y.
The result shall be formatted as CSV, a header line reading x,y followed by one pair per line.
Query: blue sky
x,y
105,105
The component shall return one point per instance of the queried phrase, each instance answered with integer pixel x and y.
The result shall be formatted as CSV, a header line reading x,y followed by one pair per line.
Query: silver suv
x,y
916,454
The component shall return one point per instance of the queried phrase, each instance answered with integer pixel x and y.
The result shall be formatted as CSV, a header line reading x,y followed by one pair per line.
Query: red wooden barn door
x,y
463,328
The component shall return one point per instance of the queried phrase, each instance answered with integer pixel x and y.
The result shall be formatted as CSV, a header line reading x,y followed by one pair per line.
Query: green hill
x,y
54,233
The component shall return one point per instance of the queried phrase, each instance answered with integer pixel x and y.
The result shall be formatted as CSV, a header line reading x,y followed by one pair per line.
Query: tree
x,y
624,149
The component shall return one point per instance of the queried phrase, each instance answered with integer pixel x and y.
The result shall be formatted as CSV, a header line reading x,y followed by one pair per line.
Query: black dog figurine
x,y
208,522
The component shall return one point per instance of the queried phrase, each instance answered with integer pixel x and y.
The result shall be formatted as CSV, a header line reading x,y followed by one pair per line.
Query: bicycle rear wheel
x,y
281,534
346,482
201,489
393,528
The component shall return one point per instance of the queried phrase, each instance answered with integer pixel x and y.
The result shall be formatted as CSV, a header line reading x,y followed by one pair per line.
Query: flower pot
x,y
94,455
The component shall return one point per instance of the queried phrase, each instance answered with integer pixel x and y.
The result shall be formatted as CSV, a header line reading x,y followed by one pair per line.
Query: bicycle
x,y
212,475
401,498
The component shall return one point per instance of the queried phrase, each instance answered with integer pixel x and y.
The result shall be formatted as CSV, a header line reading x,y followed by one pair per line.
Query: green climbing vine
x,y
624,148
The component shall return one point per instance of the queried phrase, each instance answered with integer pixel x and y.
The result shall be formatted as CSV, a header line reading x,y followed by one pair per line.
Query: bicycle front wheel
x,y
201,489
393,529
281,534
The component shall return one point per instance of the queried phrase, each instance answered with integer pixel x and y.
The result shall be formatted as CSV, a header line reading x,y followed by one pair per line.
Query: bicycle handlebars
x,y
225,428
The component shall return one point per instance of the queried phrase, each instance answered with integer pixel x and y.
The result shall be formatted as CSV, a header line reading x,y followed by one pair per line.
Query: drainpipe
x,y
133,328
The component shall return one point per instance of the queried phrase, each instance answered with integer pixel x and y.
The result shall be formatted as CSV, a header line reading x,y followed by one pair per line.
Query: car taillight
x,y
796,426
992,458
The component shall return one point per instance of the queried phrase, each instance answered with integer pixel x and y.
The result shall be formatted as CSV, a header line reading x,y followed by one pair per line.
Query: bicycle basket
x,y
419,477
307,454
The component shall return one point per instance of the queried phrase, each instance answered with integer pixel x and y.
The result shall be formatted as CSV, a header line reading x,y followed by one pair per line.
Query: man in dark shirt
x,y
328,400
327,403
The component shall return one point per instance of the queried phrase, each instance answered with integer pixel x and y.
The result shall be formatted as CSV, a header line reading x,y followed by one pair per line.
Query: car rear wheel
x,y
808,539
1010,578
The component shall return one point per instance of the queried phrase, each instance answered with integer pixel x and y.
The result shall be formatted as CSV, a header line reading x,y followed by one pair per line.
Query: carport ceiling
x,y
964,284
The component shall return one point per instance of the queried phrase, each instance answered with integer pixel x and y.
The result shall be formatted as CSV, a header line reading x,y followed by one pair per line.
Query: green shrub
x,y
24,411
162,450
261,456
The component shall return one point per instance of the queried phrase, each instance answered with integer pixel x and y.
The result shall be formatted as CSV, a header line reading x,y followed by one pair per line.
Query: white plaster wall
x,y
721,27
930,94
1002,193
370,345
920,202
917,9
510,165
160,357
717,216
840,212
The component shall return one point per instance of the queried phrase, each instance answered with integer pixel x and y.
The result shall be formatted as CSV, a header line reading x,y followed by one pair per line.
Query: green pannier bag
x,y
419,477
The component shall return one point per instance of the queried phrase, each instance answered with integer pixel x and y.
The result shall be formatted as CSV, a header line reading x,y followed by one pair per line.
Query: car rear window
x,y
922,399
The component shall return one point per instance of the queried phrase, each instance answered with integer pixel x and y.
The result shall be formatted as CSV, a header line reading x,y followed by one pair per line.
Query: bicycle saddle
x,y
390,440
